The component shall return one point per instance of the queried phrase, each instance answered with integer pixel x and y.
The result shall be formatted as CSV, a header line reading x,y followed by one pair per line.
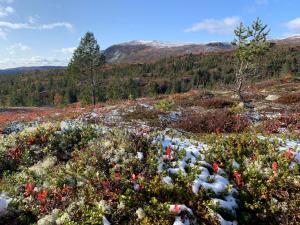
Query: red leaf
x,y
29,189
275,167
289,154
169,150
238,178
41,196
216,167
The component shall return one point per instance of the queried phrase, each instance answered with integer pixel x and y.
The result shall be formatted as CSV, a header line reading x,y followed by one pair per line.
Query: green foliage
x,y
95,179
164,105
87,60
267,196
87,56
122,81
251,41
251,44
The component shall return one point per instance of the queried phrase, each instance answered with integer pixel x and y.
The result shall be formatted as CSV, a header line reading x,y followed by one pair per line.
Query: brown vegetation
x,y
289,98
213,121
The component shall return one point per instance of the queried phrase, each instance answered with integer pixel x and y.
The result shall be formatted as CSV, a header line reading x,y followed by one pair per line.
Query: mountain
x,y
28,69
147,51
150,51
292,40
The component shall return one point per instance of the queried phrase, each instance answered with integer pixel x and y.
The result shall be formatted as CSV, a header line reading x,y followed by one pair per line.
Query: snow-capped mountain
x,y
140,51
157,44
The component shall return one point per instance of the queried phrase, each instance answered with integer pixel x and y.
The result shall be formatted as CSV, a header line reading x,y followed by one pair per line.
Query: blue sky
x,y
45,32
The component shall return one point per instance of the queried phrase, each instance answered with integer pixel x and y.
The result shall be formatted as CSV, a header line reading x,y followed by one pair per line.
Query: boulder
x,y
272,97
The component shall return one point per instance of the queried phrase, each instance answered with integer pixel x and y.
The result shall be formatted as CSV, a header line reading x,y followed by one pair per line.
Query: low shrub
x,y
149,115
195,99
289,98
268,179
164,105
217,102
213,121
33,145
289,122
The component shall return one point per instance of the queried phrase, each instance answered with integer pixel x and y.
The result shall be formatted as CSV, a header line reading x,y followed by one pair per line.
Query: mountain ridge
x,y
139,51
143,51
23,69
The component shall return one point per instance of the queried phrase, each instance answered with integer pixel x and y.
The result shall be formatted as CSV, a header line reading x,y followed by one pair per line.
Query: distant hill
x,y
151,51
145,51
28,69
292,40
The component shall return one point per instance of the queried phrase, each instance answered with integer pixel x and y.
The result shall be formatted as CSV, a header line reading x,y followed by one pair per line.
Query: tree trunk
x,y
93,86
239,89
240,78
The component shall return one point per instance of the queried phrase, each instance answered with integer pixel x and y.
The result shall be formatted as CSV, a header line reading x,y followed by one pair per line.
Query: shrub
x,y
194,100
289,98
164,105
289,122
213,121
141,113
217,102
268,189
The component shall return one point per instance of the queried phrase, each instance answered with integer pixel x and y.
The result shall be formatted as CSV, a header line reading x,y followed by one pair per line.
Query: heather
x,y
151,161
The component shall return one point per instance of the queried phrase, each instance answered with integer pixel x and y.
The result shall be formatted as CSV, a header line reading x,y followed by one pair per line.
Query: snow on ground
x,y
3,203
194,157
105,221
291,146
191,155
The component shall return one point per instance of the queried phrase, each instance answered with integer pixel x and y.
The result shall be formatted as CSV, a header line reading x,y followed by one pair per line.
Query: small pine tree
x,y
251,43
87,60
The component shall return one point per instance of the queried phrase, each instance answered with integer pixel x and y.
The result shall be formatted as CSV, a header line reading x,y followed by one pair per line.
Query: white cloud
x,y
7,26
5,11
17,47
293,25
50,26
32,61
223,26
67,51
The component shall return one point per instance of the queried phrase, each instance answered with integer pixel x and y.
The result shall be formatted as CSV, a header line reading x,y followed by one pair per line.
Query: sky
x,y
46,32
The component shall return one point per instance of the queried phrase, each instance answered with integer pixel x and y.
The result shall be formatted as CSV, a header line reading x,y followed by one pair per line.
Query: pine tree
x,y
87,60
251,43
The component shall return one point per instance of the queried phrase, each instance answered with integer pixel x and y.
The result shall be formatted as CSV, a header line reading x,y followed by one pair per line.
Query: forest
x,y
129,81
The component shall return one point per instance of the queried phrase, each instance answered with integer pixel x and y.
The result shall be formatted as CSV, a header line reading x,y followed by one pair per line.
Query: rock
x,y
272,97
170,117
253,116
246,105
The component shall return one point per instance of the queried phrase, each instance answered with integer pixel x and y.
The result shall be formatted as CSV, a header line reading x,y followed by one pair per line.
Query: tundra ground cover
x,y
123,164
74,173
